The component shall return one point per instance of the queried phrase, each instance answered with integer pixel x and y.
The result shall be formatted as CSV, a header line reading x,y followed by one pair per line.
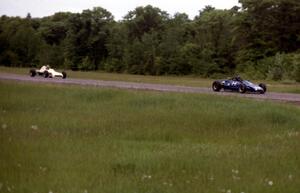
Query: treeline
x,y
260,39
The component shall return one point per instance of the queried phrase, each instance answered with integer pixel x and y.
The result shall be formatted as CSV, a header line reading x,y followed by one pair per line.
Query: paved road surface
x,y
285,97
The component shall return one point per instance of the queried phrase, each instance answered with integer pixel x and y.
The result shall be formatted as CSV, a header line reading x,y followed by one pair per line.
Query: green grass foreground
x,y
62,139
194,81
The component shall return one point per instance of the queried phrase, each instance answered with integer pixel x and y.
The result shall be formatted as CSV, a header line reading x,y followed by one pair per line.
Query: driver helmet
x,y
238,78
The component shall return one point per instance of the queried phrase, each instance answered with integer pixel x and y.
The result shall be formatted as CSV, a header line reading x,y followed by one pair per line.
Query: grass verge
x,y
59,139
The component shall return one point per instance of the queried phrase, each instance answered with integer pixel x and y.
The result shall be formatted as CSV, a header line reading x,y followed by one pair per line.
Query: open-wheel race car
x,y
238,85
47,72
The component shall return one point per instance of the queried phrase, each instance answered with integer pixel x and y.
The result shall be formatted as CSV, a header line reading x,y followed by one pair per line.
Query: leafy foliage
x,y
260,39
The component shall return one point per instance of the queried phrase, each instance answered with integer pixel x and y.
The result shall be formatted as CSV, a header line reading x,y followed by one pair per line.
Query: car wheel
x,y
46,74
264,87
32,73
216,86
64,75
242,88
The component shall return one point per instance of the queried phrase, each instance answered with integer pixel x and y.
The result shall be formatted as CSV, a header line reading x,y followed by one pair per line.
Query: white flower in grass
x,y
236,177
34,127
144,177
270,183
290,176
85,191
292,133
4,126
50,191
43,169
235,171
228,191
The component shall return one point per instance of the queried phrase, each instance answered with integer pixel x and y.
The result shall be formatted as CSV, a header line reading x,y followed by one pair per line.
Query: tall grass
x,y
61,139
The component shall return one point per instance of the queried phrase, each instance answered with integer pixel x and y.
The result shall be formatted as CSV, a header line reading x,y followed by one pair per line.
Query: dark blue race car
x,y
238,85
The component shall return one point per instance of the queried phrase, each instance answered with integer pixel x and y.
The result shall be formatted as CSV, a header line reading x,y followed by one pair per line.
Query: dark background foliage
x,y
260,39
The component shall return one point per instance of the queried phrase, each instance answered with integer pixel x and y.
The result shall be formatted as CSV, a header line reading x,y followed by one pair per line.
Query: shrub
x,y
86,64
297,73
114,65
9,58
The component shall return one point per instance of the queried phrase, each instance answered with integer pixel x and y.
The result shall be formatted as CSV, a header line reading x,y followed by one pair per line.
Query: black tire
x,y
216,86
46,74
242,88
264,87
32,72
64,75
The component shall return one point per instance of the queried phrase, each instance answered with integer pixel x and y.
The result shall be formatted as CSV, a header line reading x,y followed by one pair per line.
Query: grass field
x,y
62,139
287,87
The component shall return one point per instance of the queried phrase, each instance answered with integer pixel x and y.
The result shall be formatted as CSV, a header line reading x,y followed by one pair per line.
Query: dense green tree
x,y
54,29
51,55
87,35
144,20
116,45
267,27
19,42
175,35
215,36
260,39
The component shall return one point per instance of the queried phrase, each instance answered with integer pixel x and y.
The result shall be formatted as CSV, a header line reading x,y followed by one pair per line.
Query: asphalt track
x,y
283,97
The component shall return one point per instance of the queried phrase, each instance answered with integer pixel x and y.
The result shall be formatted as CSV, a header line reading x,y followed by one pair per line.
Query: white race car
x,y
47,72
